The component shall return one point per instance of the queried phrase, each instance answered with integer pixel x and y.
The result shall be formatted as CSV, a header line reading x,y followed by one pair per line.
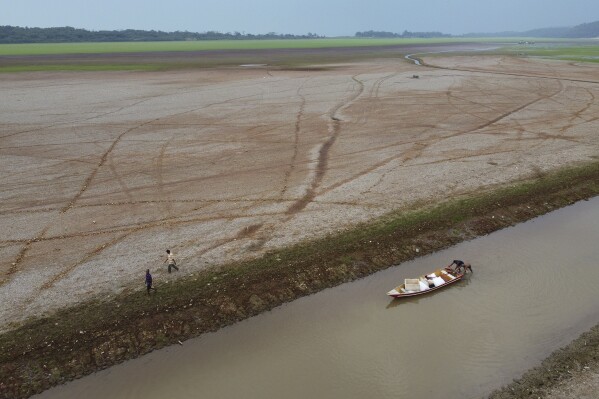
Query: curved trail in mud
x,y
169,221
41,235
323,153
416,61
296,138
420,146
419,62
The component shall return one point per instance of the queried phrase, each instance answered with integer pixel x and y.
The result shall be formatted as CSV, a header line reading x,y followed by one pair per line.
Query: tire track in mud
x,y
159,174
72,202
249,231
419,147
45,145
87,182
521,124
119,179
251,203
477,89
334,128
296,137
590,103
146,99
373,95
88,256
362,173
542,136
459,107
14,267
244,233
578,114
168,221
323,152
379,83
504,115
129,231
508,113
63,273
463,157
509,74
101,163
80,120
314,189
170,201
326,147
118,139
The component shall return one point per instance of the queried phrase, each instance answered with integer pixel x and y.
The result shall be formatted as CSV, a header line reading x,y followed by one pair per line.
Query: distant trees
x,y
583,30
405,34
588,30
15,34
576,32
378,34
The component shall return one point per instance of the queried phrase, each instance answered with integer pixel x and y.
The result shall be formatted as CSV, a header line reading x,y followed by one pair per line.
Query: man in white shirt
x,y
170,259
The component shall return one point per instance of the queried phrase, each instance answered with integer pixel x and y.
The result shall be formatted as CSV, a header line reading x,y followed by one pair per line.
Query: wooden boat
x,y
436,280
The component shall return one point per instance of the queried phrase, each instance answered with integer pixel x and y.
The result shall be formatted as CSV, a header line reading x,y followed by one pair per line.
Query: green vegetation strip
x,y
83,68
160,56
97,334
204,45
588,53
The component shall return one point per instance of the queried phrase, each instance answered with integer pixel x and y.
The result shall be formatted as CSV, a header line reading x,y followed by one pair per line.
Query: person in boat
x,y
429,280
460,266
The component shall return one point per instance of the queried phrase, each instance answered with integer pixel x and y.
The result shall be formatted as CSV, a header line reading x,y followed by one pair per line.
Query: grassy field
x,y
588,53
140,47
158,56
82,68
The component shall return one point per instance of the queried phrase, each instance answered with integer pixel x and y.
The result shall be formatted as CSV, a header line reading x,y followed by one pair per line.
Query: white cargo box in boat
x,y
412,284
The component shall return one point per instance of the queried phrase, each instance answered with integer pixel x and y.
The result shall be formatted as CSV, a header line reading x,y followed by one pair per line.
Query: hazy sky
x,y
325,17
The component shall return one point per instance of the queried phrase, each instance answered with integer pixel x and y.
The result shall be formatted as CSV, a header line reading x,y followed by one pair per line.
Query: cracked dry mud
x,y
101,172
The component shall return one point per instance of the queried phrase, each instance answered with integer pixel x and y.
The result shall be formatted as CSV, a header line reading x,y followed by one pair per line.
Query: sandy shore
x,y
569,373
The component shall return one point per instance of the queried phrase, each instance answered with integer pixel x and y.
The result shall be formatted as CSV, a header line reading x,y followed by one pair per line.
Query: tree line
x,y
587,30
406,34
582,31
67,34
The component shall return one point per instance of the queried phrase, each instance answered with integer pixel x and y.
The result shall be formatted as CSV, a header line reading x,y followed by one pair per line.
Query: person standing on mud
x,y
170,259
149,281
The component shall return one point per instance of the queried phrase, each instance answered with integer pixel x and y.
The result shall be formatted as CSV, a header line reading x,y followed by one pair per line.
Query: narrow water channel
x,y
534,289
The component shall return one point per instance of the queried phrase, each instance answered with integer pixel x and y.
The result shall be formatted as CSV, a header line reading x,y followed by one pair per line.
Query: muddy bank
x,y
211,58
146,171
97,334
562,374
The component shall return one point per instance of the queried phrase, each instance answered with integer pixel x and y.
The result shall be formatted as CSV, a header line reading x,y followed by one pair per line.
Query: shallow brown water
x,y
534,289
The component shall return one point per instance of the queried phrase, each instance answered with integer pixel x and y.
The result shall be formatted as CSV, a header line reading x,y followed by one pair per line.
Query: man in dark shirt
x,y
149,281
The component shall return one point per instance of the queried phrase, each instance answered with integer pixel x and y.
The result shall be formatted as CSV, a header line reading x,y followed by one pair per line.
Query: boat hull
x,y
396,292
